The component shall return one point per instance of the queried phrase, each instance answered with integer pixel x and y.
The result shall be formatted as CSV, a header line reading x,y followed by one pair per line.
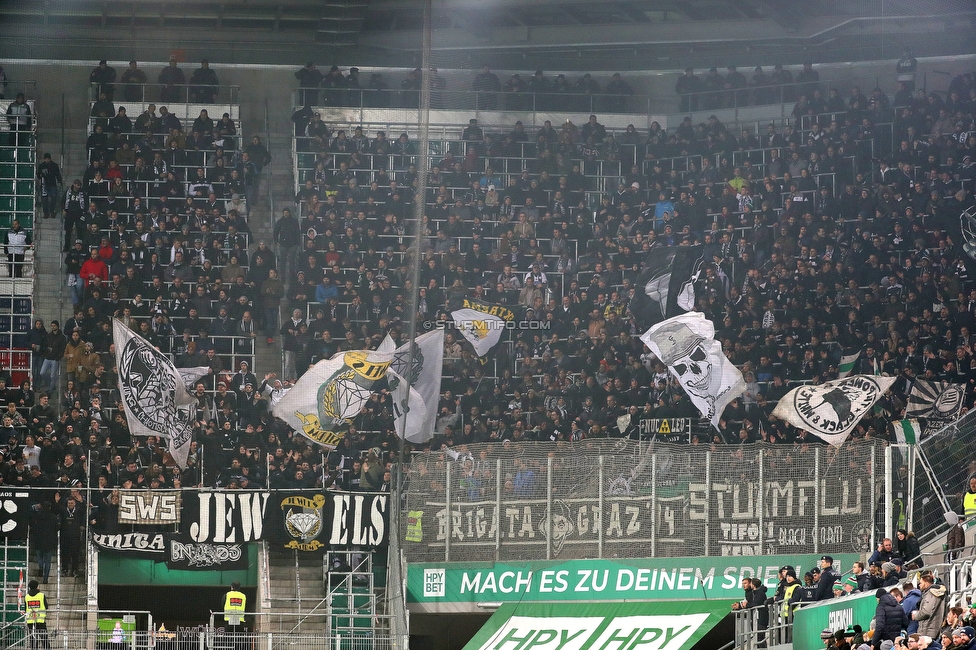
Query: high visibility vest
x,y
787,594
969,504
234,602
35,608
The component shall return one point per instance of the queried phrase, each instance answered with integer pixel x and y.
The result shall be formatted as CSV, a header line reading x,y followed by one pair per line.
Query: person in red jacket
x,y
94,267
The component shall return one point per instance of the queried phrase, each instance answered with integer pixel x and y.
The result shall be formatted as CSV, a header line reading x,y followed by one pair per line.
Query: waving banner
x,y
482,324
422,373
686,345
936,401
831,410
331,393
668,281
154,395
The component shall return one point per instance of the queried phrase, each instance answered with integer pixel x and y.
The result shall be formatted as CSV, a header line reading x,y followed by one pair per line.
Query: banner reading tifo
x,y
648,579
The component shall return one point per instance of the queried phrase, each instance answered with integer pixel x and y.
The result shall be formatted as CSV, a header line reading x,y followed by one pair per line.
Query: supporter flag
x,y
331,393
907,432
686,345
416,410
191,375
847,363
154,396
831,410
482,324
667,280
937,401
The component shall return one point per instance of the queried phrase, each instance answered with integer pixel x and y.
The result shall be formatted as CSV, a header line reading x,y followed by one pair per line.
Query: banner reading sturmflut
x,y
154,395
686,345
831,410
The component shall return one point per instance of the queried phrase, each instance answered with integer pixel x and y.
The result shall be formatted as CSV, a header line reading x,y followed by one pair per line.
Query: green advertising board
x,y
599,626
834,614
589,580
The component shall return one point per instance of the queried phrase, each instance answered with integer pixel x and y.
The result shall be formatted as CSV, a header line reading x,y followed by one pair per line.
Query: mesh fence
x,y
617,498
948,452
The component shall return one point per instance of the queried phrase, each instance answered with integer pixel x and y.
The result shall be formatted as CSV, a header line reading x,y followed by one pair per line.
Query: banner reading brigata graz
x,y
648,579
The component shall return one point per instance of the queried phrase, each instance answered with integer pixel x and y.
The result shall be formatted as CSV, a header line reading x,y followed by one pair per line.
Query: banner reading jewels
x,y
650,579
312,522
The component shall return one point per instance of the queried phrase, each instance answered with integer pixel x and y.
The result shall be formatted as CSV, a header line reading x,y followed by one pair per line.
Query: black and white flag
x,y
832,409
149,546
184,554
666,285
937,401
154,394
686,345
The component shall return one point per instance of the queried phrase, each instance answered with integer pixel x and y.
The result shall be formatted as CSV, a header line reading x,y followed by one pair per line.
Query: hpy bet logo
x,y
434,583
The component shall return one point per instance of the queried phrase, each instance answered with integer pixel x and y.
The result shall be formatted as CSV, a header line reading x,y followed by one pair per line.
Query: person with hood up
x,y
932,607
955,538
889,619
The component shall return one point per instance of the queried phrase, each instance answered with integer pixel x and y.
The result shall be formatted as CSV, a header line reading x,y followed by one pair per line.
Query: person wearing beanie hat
x,y
850,584
35,615
890,572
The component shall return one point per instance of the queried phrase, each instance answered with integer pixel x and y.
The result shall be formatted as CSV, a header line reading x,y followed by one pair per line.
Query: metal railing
x,y
169,94
760,92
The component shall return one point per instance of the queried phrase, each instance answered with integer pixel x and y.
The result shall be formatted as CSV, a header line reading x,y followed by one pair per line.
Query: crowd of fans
x,y
914,608
796,275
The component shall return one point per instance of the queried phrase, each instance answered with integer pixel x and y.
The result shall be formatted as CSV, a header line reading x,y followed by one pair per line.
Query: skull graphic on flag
x,y
686,345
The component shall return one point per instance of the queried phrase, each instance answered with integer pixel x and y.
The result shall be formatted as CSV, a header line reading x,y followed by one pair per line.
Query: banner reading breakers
x,y
641,579
621,626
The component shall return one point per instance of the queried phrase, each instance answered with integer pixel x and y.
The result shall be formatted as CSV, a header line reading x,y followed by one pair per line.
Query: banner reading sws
x,y
646,579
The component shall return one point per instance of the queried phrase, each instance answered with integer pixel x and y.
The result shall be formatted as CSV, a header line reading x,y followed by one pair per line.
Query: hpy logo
x,y
434,583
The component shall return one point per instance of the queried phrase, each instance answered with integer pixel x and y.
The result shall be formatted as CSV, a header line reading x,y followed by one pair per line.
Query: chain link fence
x,y
623,499
947,452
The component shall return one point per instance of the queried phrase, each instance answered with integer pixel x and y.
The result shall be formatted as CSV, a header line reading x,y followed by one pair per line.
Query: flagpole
x,y
419,208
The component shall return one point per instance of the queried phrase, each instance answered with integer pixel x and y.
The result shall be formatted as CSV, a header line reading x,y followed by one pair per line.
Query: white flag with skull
x,y
686,345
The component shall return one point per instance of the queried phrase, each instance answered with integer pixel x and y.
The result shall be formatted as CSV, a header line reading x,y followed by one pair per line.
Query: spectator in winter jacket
x,y
932,607
889,619
956,537
908,548
73,354
94,267
885,552
828,577
909,603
